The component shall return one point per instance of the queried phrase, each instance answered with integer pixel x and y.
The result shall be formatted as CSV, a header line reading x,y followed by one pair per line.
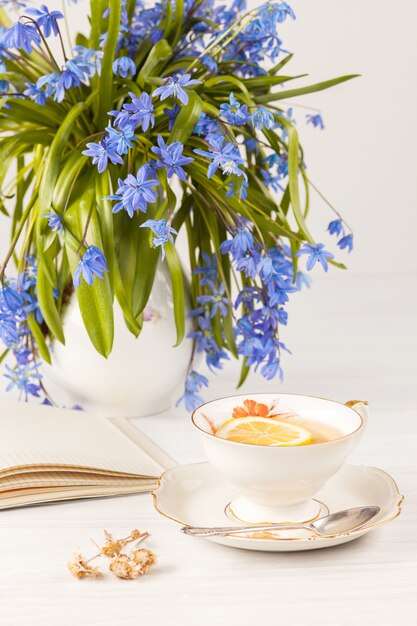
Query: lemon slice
x,y
264,431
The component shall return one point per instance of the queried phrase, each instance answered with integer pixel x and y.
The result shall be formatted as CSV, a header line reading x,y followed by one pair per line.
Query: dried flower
x,y
122,565
113,547
138,564
145,559
79,567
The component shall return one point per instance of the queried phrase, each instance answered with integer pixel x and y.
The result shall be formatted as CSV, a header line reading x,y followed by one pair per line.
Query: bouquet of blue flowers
x,y
95,133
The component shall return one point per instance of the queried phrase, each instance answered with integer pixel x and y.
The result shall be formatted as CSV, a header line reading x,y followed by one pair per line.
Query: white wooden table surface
x,y
352,338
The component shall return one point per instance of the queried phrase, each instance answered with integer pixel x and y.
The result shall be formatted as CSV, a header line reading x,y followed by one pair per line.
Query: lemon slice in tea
x,y
264,431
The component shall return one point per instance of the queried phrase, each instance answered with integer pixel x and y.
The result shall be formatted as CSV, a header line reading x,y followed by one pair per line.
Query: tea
x,y
320,432
277,430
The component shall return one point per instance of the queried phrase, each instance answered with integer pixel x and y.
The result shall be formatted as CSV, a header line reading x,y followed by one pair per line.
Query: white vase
x,y
141,376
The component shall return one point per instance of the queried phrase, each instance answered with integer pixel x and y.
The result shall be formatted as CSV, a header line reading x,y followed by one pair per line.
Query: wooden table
x,y
352,338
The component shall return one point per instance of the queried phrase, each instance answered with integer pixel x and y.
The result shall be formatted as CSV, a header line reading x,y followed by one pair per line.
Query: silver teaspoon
x,y
333,524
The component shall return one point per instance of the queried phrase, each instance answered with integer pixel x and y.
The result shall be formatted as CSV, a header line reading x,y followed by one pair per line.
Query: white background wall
x,y
366,160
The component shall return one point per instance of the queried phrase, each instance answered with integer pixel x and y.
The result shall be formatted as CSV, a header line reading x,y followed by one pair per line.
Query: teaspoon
x,y
333,524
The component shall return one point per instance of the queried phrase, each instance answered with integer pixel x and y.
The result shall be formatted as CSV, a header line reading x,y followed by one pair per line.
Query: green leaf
x,y
177,282
293,169
177,23
29,111
269,81
48,305
137,261
274,70
97,9
229,334
54,157
301,91
4,354
243,373
95,301
182,213
105,216
160,52
66,182
39,338
229,80
106,77
187,118
167,21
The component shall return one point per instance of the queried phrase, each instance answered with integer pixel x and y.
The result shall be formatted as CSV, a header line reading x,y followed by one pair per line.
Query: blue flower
x,y
227,157
262,117
54,222
316,253
35,93
91,59
175,87
346,242
272,181
162,231
239,244
124,66
102,152
336,227
48,20
141,111
22,377
21,36
48,83
8,329
252,144
11,300
93,263
272,13
233,112
208,271
4,87
120,139
171,158
172,115
135,192
156,35
209,63
216,301
193,384
272,368
205,342
76,71
316,120
206,126
15,4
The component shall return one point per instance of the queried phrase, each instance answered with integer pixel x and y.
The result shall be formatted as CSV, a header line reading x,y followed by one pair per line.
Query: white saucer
x,y
195,495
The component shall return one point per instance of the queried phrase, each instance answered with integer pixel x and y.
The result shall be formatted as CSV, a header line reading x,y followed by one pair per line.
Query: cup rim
x,y
303,395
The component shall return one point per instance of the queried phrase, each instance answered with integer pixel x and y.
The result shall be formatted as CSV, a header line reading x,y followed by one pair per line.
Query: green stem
x,y
18,232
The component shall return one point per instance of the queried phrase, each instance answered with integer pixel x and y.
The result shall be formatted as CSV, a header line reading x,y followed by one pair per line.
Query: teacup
x,y
278,483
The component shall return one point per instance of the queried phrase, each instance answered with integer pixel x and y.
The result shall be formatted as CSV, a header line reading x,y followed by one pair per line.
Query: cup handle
x,y
361,407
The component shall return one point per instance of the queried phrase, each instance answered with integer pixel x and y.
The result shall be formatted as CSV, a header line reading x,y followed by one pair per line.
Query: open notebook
x,y
49,454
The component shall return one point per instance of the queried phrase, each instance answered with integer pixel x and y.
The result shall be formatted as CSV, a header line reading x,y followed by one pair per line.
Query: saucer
x,y
195,495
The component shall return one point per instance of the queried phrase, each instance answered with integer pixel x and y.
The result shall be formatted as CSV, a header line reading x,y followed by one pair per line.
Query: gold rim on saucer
x,y
358,532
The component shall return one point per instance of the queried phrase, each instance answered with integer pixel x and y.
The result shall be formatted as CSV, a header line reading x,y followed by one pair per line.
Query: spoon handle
x,y
195,531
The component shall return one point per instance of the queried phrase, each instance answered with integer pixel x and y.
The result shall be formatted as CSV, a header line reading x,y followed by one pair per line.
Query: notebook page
x,y
65,479
32,434
44,496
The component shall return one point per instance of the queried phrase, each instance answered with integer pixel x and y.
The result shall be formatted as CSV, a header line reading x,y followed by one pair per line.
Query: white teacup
x,y
278,483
